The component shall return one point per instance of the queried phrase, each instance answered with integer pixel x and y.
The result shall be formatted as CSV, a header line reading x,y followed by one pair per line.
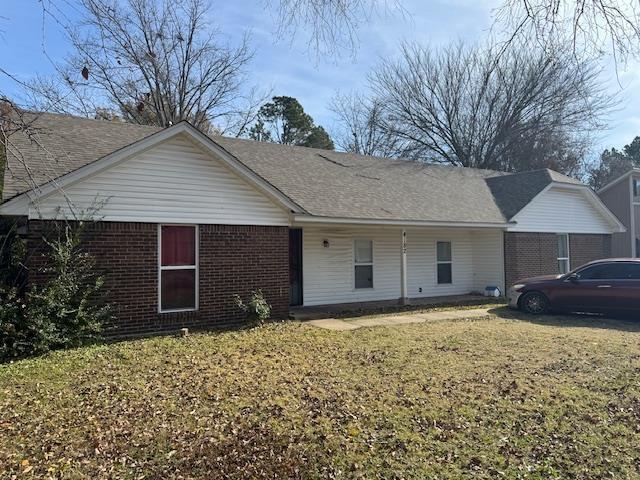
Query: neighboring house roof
x,y
617,180
322,183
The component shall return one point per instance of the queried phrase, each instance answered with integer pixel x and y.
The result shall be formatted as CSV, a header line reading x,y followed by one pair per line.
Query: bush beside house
x,y
65,311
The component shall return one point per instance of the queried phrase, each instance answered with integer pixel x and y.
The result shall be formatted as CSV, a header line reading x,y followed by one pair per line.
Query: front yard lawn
x,y
488,398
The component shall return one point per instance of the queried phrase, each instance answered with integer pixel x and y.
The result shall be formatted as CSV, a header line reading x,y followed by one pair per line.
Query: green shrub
x,y
256,310
14,333
12,256
63,312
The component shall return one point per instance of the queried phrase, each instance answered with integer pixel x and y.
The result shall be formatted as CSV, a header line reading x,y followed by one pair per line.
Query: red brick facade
x,y
586,248
532,254
232,260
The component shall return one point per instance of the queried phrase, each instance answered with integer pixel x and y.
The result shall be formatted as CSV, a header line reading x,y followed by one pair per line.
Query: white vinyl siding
x,y
422,263
329,271
560,210
487,251
174,182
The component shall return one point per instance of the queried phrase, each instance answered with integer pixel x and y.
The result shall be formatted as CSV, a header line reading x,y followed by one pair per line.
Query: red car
x,y
603,286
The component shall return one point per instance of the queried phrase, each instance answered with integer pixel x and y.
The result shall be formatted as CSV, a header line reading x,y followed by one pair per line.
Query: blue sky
x,y
285,65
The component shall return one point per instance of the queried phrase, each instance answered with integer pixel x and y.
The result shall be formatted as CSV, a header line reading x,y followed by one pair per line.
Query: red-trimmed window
x,y
178,267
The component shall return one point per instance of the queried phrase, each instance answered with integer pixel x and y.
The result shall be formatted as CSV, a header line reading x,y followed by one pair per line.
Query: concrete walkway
x,y
355,323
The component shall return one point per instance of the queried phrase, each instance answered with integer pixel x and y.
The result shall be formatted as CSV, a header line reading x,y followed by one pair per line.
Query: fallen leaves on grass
x,y
482,399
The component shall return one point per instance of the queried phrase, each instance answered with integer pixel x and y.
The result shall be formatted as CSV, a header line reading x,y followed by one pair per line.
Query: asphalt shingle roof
x,y
512,192
323,183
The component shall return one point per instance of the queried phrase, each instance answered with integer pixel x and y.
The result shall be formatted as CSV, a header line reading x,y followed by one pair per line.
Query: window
x,y
611,271
178,267
363,263
563,253
444,264
636,187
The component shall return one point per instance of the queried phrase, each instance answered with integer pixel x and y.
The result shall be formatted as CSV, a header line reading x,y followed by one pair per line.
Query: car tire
x,y
534,303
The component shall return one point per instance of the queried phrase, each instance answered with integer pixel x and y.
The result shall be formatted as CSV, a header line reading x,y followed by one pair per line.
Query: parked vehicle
x,y
602,286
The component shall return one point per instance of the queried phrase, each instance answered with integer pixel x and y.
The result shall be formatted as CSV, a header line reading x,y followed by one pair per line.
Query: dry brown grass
x,y
488,398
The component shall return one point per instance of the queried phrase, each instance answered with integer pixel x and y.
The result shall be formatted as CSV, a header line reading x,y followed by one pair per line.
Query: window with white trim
x,y
563,253
178,268
363,263
636,188
444,261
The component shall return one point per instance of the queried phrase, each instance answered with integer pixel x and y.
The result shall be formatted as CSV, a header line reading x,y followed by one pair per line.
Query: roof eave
x,y
316,219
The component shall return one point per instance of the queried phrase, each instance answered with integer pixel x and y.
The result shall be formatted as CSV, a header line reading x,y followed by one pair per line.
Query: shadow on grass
x,y
626,323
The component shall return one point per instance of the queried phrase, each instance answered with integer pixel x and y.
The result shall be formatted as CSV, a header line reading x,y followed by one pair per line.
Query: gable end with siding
x,y
175,181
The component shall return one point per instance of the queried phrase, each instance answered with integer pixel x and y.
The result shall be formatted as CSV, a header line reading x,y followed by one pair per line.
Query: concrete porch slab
x,y
344,310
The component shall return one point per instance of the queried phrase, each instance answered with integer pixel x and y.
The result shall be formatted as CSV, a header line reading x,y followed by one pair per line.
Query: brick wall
x,y
586,248
532,254
233,260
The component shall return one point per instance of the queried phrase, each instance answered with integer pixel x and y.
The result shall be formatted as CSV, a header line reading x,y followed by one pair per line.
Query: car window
x,y
611,271
596,272
629,271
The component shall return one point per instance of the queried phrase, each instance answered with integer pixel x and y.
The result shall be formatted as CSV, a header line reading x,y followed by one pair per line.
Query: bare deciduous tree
x,y
480,107
363,128
596,26
153,62
332,24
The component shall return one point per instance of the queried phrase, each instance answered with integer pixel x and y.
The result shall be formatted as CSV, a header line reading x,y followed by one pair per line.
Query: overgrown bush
x,y
256,310
63,312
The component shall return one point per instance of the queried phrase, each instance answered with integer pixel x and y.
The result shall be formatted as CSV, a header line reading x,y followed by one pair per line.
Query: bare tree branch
x,y
332,24
363,128
595,27
481,107
152,62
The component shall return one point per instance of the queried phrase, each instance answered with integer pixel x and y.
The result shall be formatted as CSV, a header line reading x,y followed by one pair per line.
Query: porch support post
x,y
404,297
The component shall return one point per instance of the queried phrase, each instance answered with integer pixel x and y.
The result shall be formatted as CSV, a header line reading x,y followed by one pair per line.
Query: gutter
x,y
312,219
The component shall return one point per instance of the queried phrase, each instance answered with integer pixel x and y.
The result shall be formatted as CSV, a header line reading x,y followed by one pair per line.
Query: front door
x,y
295,266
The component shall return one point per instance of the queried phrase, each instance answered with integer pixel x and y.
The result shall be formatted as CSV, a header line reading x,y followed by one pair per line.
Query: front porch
x,y
353,268
357,309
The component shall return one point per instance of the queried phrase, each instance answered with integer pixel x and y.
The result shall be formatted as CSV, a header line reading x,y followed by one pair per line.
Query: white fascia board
x,y
300,220
20,205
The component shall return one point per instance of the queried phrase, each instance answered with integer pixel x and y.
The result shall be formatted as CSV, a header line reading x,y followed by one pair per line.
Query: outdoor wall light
x,y
325,243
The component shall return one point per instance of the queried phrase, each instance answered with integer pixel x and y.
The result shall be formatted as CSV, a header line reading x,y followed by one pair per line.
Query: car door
x,y
590,290
625,288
